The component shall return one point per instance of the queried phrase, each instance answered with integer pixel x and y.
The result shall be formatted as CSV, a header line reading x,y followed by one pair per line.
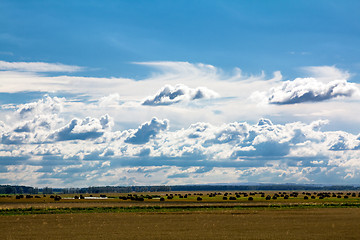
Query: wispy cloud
x,y
6,53
327,73
38,67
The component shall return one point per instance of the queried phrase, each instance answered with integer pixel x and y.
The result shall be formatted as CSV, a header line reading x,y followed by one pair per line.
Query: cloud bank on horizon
x,y
186,123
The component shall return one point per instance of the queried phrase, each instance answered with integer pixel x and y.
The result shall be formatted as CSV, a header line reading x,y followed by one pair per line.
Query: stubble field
x,y
209,218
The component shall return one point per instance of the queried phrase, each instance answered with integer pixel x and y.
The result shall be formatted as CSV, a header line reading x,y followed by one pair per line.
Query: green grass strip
x,y
164,209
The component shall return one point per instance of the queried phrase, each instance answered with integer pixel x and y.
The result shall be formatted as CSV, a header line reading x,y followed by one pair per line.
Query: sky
x,y
96,93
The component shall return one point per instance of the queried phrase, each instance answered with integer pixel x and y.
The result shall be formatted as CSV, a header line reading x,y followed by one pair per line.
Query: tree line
x,y
15,189
117,189
8,189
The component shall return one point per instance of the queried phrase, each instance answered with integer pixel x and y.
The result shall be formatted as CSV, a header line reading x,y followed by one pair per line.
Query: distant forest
x,y
9,189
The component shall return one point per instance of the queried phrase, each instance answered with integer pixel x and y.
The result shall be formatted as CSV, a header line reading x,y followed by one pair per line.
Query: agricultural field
x,y
199,215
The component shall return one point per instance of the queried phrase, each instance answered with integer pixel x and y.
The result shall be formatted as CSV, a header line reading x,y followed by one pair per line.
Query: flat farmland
x,y
193,199
324,223
119,216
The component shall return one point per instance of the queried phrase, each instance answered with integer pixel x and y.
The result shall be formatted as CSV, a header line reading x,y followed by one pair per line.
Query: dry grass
x,y
324,223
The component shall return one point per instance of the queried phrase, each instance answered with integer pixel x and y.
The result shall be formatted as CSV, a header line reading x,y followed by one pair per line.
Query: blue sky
x,y
254,35
179,92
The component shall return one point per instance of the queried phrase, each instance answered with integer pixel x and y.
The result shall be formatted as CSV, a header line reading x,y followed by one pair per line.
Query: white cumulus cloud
x,y
46,105
180,93
147,130
88,128
310,90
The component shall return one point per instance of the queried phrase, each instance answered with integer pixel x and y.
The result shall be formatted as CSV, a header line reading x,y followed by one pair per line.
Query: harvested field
x,y
324,223
43,217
